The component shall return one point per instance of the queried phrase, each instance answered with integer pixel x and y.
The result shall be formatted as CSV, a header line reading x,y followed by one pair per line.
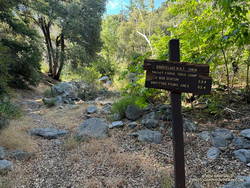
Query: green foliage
x,y
8,111
89,75
48,93
103,67
121,105
19,48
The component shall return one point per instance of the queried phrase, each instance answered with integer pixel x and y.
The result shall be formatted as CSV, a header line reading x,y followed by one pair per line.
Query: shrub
x,y
121,105
8,111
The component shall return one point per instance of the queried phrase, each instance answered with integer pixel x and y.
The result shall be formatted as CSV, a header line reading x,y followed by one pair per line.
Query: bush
x,y
104,67
8,111
121,105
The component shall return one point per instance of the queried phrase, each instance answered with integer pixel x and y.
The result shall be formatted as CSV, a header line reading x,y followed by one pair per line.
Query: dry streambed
x,y
117,159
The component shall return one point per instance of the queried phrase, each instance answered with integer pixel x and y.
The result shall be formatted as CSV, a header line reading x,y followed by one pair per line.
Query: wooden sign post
x,y
177,77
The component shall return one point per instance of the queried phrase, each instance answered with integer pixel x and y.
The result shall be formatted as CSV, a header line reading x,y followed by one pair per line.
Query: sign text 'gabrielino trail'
x,y
178,77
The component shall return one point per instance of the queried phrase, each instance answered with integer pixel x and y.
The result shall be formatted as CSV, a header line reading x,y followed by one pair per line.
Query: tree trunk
x,y
62,58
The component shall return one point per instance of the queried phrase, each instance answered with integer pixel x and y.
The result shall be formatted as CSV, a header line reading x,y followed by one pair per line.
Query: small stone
x,y
205,135
150,123
213,153
133,112
116,124
243,155
91,109
248,164
132,125
20,155
104,78
245,133
5,166
189,126
116,117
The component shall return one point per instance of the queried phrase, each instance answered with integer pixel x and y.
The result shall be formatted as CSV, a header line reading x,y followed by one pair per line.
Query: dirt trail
x,y
65,163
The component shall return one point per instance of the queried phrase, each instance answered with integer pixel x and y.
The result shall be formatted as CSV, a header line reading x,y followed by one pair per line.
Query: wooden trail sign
x,y
177,77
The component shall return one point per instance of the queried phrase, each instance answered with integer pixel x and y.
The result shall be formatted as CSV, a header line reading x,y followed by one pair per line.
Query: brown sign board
x,y
178,77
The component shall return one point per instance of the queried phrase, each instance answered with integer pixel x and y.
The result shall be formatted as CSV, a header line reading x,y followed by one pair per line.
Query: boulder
x,y
91,109
213,153
148,136
133,112
68,89
48,133
2,153
245,133
241,143
93,128
221,138
116,124
243,155
219,142
225,133
5,166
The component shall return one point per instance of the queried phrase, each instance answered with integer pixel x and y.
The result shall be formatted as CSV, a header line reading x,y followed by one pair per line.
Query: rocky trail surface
x,y
76,145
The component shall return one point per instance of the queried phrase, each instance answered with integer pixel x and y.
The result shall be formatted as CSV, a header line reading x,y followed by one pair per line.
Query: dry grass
x,y
121,167
65,118
15,135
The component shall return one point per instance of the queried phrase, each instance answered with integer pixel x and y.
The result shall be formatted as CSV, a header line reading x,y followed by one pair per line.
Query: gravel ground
x,y
119,161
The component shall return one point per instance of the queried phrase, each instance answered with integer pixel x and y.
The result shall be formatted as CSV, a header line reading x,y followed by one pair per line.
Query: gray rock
x,y
148,136
241,143
221,138
91,109
189,126
2,153
48,133
132,125
219,142
225,133
66,89
245,133
240,182
104,79
243,155
213,153
5,166
93,128
205,135
20,155
106,109
116,124
133,112
150,123
116,117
